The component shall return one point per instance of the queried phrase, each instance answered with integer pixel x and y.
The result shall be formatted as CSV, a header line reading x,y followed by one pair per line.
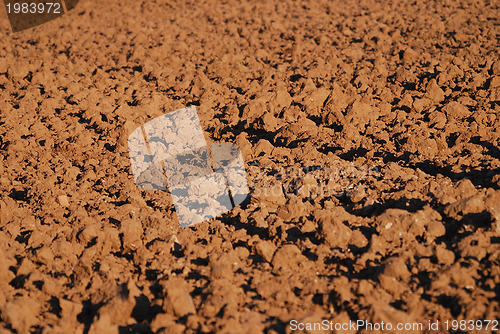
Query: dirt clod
x,y
370,133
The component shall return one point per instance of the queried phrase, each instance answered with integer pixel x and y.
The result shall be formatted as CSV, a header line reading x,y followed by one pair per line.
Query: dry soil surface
x,y
371,136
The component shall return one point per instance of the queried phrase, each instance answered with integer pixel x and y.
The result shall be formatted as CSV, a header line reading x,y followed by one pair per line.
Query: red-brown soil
x,y
398,102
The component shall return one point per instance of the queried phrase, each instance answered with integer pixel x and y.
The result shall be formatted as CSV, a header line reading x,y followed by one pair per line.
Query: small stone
x,y
456,110
465,188
5,273
435,229
5,213
437,119
88,233
409,55
356,194
273,194
377,245
473,204
45,255
444,256
406,101
265,249
167,322
473,246
495,68
4,66
112,239
495,82
63,200
334,232
263,146
308,227
221,270
359,108
255,109
132,234
420,104
26,267
270,122
38,238
287,257
434,92
178,298
390,284
316,99
358,239
281,99
293,209
244,144
396,267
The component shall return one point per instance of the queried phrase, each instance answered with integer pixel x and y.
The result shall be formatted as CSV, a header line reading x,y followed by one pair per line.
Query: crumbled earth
x,y
371,136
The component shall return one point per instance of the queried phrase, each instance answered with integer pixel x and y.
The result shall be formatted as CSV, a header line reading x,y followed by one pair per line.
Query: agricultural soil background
x,y
407,90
